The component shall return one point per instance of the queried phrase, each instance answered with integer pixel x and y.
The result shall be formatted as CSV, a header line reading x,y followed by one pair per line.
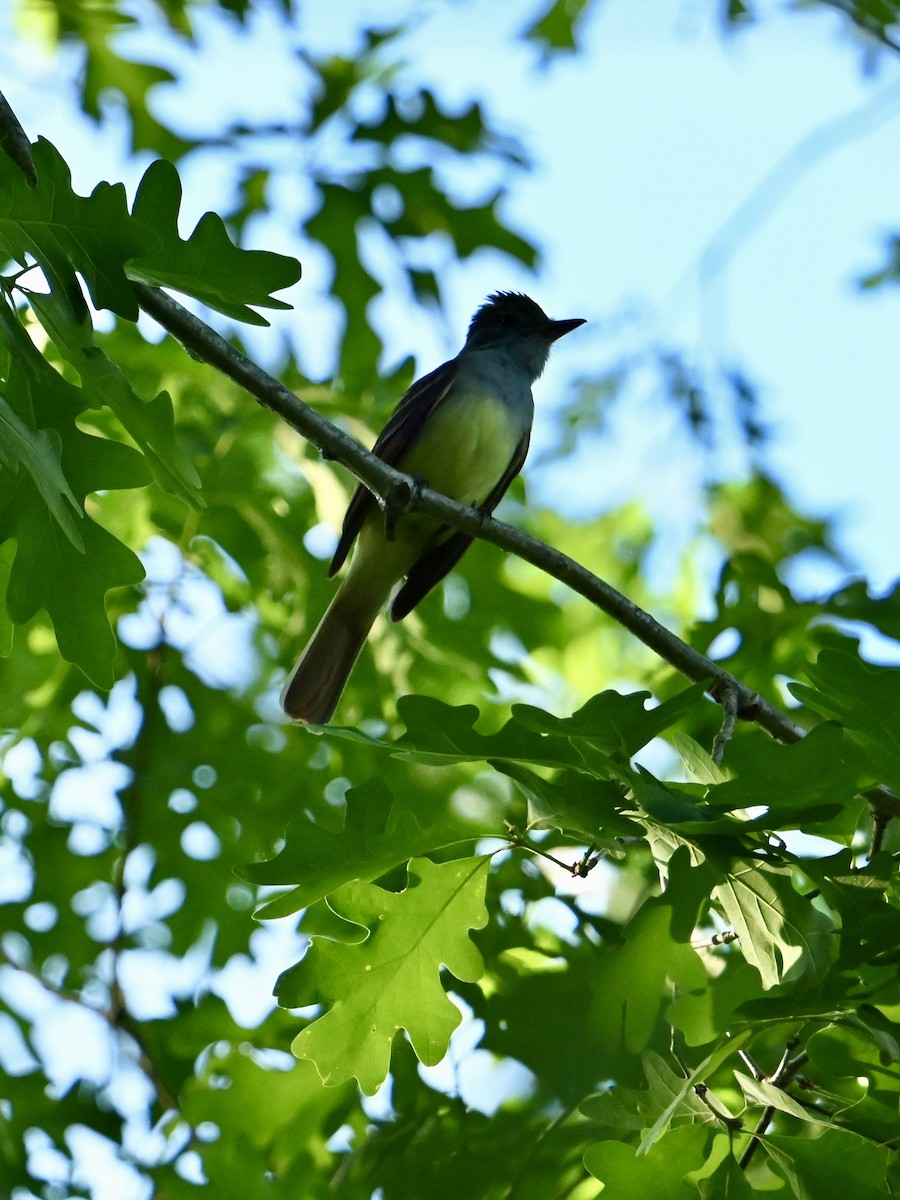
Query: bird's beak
x,y
558,329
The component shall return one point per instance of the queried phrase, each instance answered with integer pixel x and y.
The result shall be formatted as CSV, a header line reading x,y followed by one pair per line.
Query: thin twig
x,y
731,1123
751,1064
400,493
725,938
879,828
578,870
131,798
535,1145
784,1073
728,698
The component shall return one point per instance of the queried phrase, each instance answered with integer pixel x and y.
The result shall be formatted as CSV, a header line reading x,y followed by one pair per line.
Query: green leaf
x,y
688,887
438,733
868,922
674,1091
392,980
150,422
677,805
760,1092
633,1109
555,30
865,699
628,1006
66,233
823,769
97,237
49,573
572,802
628,1175
273,1104
840,1050
567,1052
618,725
855,1064
206,265
40,452
67,578
378,832
855,603
837,1162
702,1015
601,736
784,936
727,1182
7,555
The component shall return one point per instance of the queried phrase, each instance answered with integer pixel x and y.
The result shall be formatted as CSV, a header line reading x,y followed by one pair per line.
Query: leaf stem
x,y
579,870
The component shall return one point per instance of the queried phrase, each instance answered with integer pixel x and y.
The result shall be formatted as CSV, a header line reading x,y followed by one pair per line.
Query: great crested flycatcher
x,y
464,430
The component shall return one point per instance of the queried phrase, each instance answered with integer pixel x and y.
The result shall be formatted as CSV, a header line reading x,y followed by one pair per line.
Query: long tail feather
x,y
314,687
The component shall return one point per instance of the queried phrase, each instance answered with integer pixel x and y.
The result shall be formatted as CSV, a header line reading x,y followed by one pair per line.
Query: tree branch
x,y
400,494
784,1073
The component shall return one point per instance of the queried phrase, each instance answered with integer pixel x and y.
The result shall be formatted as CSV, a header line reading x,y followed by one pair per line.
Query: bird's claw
x,y
398,502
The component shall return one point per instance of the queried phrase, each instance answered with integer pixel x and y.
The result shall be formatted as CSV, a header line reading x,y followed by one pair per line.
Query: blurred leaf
x,y
855,603
630,1175
555,31
863,698
628,1006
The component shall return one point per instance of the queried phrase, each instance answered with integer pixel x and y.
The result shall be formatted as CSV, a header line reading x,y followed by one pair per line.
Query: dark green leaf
x,y
865,699
207,264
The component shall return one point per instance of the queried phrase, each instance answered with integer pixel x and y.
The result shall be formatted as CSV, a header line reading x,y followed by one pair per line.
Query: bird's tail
x,y
314,687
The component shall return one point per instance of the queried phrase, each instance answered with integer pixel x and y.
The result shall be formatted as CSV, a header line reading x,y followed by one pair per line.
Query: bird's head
x,y
514,322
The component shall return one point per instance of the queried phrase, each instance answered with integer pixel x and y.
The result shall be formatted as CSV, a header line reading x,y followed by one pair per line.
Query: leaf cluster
x,y
514,954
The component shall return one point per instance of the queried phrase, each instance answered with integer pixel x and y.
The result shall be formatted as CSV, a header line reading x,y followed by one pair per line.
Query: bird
x,y
463,429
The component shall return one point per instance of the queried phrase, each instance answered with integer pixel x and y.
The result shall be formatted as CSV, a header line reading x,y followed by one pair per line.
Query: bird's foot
x,y
400,500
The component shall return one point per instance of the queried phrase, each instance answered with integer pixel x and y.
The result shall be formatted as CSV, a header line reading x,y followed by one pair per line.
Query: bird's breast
x,y
466,444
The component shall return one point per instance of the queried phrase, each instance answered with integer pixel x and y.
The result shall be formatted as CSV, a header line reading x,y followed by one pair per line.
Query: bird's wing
x,y
440,558
400,433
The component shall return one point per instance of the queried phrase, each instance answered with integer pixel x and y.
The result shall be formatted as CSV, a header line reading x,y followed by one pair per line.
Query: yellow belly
x,y
465,448
463,452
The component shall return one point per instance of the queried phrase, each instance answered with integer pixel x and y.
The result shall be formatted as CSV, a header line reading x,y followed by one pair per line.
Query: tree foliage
x,y
718,1017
